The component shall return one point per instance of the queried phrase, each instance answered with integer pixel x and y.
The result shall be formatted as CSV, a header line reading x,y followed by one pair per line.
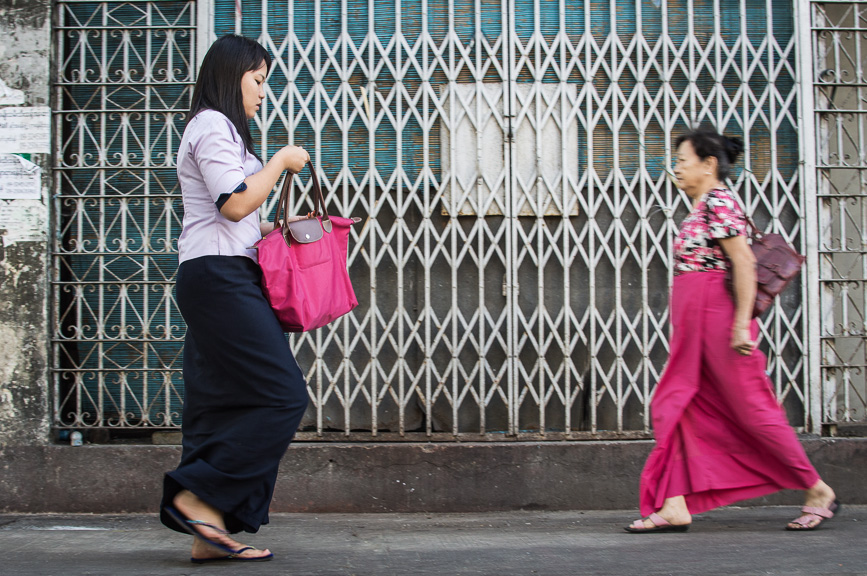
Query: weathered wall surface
x,y
402,477
25,50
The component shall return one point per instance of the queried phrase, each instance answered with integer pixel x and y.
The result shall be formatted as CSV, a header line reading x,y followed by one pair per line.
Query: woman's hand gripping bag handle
x,y
304,274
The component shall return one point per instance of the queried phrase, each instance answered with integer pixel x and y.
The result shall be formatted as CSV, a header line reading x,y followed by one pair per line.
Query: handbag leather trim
x,y
303,231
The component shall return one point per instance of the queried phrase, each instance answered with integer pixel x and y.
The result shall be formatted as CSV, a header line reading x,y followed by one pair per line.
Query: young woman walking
x,y
244,393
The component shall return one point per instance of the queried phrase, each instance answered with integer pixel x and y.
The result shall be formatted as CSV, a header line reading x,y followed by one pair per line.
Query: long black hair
x,y
218,86
708,142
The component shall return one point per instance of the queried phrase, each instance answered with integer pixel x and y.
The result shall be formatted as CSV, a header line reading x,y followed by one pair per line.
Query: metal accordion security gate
x,y
510,161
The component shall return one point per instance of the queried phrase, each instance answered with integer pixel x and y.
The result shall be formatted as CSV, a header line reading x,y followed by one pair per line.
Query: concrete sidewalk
x,y
723,542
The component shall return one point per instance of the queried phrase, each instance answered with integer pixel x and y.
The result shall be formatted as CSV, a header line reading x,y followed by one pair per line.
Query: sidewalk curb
x,y
386,477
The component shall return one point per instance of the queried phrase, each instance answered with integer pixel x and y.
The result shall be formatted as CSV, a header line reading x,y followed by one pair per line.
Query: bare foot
x,y
819,495
202,551
673,511
195,508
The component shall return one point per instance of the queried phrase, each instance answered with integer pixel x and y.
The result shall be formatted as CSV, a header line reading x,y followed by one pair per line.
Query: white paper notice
x,y
25,129
20,179
22,222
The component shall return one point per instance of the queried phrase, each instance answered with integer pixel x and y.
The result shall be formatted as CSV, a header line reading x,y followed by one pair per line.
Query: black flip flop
x,y
234,557
189,526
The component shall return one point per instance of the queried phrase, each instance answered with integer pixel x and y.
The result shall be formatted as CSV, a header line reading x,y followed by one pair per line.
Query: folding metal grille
x,y
840,87
509,161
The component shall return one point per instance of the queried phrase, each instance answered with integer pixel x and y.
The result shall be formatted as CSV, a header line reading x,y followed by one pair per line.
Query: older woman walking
x,y
720,434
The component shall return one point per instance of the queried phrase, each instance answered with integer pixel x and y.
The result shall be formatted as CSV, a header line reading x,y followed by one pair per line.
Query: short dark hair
x,y
708,142
218,86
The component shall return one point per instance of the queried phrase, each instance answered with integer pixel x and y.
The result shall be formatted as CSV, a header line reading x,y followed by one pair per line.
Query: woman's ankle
x,y
820,490
675,510
676,504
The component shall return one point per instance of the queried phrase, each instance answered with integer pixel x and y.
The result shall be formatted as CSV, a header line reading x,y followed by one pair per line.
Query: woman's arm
x,y
259,185
738,251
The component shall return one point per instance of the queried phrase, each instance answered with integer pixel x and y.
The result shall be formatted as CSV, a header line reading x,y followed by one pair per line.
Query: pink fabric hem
x,y
721,435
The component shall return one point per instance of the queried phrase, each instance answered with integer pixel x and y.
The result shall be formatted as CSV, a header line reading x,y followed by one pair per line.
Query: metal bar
x,y
119,27
616,194
510,104
429,235
373,201
644,102
204,30
807,175
568,193
591,223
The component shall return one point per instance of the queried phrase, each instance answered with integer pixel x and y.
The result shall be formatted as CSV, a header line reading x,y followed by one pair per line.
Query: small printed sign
x,y
25,129
20,179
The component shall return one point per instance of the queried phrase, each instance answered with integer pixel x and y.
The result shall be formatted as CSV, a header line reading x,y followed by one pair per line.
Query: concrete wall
x,y
404,477
25,56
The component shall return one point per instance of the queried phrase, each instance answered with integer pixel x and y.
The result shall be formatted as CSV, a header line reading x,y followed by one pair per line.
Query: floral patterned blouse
x,y
717,215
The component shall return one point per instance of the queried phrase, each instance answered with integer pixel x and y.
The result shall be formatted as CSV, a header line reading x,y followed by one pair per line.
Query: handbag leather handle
x,y
319,208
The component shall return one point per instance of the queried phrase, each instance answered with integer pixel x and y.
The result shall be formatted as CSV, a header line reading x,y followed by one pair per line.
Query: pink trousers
x,y
720,434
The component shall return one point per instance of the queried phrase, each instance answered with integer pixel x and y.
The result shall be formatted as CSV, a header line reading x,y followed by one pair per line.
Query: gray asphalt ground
x,y
729,541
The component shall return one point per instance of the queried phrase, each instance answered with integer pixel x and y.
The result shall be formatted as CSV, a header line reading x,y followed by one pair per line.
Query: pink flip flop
x,y
660,524
811,514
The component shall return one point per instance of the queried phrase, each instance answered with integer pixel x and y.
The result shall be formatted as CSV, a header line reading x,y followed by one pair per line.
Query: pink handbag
x,y
303,263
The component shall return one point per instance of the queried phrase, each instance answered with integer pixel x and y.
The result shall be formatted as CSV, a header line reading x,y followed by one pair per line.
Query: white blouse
x,y
213,162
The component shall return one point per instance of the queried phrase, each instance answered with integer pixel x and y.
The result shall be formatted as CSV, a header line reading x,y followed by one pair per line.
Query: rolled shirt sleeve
x,y
220,159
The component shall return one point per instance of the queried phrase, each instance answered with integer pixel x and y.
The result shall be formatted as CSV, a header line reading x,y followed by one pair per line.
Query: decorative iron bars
x,y
124,75
509,161
840,82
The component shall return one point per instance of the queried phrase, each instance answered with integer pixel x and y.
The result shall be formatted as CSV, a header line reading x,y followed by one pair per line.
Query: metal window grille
x,y
516,297
840,87
124,76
